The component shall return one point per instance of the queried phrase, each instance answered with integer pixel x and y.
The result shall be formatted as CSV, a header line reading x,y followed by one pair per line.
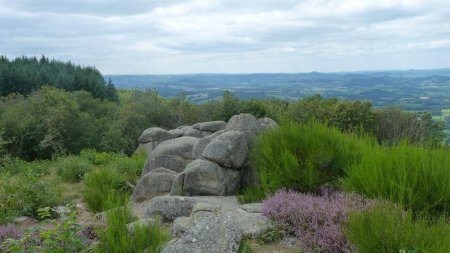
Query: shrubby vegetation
x,y
415,177
389,228
410,183
317,221
303,157
71,131
116,238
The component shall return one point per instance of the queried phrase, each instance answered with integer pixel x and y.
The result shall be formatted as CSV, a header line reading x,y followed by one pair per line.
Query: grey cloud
x,y
174,36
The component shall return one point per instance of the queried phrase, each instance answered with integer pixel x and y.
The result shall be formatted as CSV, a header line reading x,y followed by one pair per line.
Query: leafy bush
x,y
348,116
26,194
33,169
72,168
388,228
116,238
63,236
317,221
101,183
416,177
394,125
302,157
130,167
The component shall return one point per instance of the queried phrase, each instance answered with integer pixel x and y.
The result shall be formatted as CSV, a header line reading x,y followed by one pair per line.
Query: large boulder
x,y
155,183
204,177
172,154
215,234
229,149
245,123
265,124
155,134
201,144
211,126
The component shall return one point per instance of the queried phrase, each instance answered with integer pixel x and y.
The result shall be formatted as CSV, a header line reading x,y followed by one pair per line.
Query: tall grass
x,y
116,238
303,157
416,177
388,228
101,183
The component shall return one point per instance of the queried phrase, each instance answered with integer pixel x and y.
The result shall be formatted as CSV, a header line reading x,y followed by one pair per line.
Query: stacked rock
x,y
209,158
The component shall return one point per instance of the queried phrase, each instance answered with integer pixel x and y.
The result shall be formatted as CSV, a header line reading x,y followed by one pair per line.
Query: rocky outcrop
x,y
189,178
209,158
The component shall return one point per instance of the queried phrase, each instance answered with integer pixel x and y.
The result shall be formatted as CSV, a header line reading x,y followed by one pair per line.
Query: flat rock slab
x,y
211,126
171,207
216,234
155,134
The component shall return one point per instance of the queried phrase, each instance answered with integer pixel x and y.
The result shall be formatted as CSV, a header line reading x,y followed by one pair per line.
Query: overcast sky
x,y
230,36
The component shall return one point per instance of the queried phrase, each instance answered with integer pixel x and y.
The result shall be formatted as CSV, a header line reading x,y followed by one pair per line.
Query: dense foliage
x,y
25,75
302,157
416,177
388,228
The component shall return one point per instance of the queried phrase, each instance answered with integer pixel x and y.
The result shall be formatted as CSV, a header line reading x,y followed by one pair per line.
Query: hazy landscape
x,y
413,90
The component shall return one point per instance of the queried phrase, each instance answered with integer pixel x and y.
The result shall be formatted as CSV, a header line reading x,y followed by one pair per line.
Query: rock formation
x,y
187,176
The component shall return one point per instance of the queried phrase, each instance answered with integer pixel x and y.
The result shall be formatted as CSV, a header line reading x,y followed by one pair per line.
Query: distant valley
x,y
414,90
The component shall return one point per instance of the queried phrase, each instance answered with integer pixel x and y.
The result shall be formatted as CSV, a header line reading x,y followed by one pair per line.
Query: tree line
x,y
25,75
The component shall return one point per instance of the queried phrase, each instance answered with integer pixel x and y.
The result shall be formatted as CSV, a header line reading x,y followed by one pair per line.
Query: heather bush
x,y
8,231
389,228
415,177
317,221
302,157
63,236
72,168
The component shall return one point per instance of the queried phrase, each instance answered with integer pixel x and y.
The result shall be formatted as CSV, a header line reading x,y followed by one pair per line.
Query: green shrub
x,y
33,169
101,183
24,195
245,247
72,168
416,177
302,157
388,228
251,194
130,167
116,238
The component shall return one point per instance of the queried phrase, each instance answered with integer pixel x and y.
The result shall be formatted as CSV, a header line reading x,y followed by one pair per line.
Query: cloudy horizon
x,y
219,36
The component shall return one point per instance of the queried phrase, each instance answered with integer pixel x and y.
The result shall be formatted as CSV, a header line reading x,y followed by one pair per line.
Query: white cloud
x,y
174,36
